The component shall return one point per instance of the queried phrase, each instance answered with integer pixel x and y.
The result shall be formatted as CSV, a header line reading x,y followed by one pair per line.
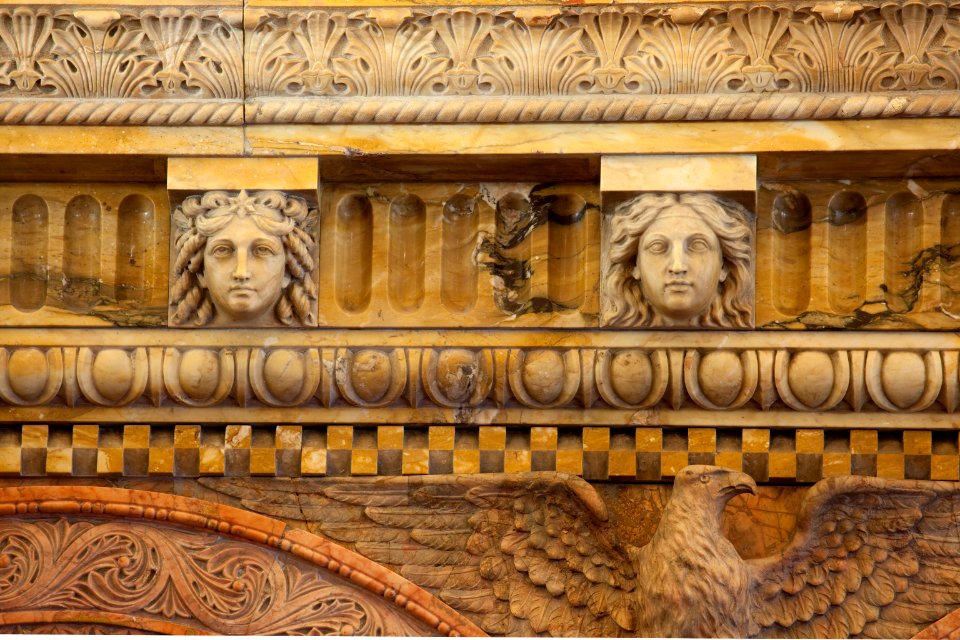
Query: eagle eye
x,y
704,478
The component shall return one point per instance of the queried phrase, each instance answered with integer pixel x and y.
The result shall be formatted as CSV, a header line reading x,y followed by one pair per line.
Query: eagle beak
x,y
738,483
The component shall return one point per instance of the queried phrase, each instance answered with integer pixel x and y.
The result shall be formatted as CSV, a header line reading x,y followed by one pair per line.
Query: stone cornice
x,y
184,65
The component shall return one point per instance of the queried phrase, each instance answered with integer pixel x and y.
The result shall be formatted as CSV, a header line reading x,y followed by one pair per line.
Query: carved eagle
x,y
532,554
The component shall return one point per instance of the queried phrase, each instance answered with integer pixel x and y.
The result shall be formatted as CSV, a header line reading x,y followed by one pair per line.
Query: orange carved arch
x,y
164,512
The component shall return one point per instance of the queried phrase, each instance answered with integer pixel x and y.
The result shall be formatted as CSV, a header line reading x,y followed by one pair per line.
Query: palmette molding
x,y
667,62
636,376
181,65
120,65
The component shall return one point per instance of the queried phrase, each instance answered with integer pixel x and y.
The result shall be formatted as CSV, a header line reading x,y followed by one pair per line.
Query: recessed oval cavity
x,y
458,275
354,252
408,232
81,253
950,241
28,268
847,253
791,217
903,241
135,248
567,242
515,218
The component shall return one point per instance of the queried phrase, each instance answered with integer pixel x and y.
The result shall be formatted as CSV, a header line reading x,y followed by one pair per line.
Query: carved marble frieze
x,y
110,64
544,554
630,377
670,62
115,64
162,563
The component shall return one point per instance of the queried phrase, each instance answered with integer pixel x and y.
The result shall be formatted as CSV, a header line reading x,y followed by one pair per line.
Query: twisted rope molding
x,y
51,111
449,109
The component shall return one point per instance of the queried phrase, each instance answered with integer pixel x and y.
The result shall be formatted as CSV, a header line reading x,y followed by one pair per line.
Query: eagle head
x,y
717,485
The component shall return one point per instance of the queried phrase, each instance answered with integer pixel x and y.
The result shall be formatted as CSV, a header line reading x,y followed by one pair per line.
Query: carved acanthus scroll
x,y
168,564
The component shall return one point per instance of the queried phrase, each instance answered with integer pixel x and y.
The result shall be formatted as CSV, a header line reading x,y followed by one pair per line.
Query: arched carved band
x,y
22,511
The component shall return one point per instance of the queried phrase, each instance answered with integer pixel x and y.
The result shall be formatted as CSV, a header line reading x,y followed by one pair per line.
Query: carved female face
x,y
679,265
244,271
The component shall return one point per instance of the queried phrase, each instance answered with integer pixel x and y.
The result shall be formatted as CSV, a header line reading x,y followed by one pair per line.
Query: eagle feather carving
x,y
532,554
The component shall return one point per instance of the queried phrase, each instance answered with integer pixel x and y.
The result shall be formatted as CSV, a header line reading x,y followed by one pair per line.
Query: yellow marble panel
x,y
671,462
809,440
890,465
863,441
680,172
701,440
86,436
782,464
516,461
917,442
493,438
339,437
543,438
206,174
730,460
34,435
596,439
263,461
417,461
944,467
60,461
110,461
756,440
605,138
186,436
570,461
136,436
390,437
289,436
466,461
237,436
160,461
622,463
211,461
10,459
441,438
313,461
155,141
363,462
649,440
836,464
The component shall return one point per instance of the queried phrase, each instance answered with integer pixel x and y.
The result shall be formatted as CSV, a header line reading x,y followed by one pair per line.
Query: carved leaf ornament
x,y
479,65
532,554
160,563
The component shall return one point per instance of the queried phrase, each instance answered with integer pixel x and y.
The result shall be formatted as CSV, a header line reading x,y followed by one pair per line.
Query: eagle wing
x,y
871,558
519,555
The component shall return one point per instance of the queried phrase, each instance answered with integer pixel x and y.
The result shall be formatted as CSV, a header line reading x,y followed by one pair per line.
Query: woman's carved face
x,y
244,269
679,265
